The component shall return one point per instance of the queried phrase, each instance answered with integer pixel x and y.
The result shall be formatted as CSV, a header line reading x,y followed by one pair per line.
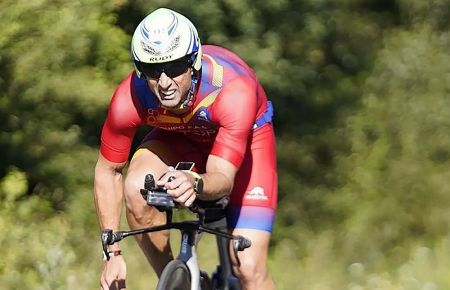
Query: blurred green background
x,y
362,96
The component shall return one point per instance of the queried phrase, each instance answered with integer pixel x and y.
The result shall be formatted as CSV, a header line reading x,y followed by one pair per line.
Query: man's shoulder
x,y
220,52
212,49
123,108
222,66
124,87
134,91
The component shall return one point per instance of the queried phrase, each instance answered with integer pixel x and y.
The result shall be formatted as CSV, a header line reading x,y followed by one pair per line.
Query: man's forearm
x,y
216,185
108,195
108,202
219,178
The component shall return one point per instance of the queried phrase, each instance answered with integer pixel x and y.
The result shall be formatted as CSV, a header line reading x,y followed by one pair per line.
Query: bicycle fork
x,y
188,254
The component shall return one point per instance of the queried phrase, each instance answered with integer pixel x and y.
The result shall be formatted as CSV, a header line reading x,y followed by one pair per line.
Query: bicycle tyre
x,y
175,276
205,281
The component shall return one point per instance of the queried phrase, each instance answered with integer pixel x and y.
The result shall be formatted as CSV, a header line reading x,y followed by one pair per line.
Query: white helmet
x,y
163,36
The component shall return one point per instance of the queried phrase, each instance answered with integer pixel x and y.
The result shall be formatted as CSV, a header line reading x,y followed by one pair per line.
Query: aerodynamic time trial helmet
x,y
165,36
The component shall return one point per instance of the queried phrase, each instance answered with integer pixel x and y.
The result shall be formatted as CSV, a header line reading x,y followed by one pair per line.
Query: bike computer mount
x,y
156,196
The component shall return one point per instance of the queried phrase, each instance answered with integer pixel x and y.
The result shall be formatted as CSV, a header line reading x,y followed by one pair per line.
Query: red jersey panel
x,y
228,102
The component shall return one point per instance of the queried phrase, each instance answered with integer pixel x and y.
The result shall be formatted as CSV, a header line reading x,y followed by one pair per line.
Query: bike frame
x,y
188,254
190,231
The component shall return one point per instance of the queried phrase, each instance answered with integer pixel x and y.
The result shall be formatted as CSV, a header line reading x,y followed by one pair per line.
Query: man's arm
x,y
235,110
219,178
108,193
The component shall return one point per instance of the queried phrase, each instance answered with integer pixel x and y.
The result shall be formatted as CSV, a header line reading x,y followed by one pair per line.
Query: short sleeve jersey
x,y
228,101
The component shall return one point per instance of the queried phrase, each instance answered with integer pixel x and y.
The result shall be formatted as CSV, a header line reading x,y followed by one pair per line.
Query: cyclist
x,y
204,105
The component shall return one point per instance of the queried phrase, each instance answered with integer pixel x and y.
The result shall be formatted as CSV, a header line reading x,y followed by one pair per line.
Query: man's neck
x,y
177,111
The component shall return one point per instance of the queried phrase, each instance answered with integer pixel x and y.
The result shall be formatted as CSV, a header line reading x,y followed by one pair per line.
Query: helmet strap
x,y
189,99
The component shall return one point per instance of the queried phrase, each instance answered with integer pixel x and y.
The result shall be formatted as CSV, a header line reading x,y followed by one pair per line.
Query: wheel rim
x,y
175,276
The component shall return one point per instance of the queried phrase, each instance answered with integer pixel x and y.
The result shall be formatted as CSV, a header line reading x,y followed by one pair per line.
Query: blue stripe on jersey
x,y
240,70
146,98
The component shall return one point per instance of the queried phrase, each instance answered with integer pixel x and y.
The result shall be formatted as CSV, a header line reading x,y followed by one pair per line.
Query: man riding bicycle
x,y
205,105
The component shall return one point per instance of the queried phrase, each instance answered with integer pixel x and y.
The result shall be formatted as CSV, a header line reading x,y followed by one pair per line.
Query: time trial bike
x,y
183,273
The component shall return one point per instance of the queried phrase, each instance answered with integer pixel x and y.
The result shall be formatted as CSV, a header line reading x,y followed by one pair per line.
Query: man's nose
x,y
164,81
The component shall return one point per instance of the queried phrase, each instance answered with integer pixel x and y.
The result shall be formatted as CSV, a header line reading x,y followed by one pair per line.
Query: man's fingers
x,y
115,284
104,284
178,190
186,198
190,200
112,282
114,274
121,284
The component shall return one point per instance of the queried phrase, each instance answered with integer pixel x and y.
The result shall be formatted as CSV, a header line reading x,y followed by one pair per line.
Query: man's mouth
x,y
167,95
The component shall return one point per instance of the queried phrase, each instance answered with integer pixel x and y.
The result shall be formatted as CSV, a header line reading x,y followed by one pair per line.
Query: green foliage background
x,y
362,97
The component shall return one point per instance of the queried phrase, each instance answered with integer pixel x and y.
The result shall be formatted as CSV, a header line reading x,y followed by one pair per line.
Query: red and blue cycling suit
x,y
230,118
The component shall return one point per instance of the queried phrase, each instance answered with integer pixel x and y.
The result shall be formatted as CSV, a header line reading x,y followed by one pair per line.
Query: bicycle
x,y
183,273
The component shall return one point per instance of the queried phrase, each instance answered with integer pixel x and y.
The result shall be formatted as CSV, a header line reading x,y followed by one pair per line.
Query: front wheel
x,y
175,276
205,282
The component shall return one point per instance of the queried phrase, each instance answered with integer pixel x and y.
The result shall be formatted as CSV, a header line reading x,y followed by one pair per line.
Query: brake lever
x,y
106,238
240,243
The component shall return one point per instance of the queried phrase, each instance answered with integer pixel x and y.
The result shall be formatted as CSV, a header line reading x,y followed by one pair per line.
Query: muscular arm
x,y
235,111
108,193
218,179
117,134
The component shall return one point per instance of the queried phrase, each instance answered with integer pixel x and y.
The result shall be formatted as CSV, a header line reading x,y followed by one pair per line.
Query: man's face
x,y
171,92
170,81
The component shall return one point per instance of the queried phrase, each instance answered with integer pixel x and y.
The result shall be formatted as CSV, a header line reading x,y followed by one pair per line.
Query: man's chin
x,y
169,104
175,108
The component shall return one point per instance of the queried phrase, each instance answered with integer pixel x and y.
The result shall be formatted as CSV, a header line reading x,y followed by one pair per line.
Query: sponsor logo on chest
x,y
198,125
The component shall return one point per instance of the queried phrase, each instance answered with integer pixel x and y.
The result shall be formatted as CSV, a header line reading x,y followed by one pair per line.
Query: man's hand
x,y
114,274
181,188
